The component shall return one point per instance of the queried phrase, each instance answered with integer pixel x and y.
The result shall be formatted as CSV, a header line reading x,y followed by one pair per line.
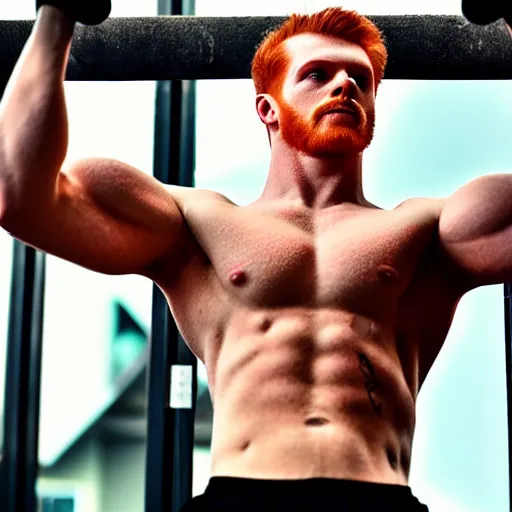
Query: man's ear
x,y
266,108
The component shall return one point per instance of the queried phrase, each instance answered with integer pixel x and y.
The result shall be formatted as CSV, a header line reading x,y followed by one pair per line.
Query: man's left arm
x,y
475,229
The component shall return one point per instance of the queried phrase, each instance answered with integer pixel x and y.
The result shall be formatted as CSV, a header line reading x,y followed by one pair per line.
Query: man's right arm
x,y
104,215
100,214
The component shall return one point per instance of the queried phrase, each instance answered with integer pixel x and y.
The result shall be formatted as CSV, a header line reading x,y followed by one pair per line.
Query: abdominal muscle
x,y
302,394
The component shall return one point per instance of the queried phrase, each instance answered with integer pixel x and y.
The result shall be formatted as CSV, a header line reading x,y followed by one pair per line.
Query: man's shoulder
x,y
437,266
190,197
420,211
426,205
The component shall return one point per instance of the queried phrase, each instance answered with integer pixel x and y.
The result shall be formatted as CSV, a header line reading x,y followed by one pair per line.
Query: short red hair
x,y
271,60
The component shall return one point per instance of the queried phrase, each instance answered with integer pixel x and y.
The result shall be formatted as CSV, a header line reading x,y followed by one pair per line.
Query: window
x,y
57,504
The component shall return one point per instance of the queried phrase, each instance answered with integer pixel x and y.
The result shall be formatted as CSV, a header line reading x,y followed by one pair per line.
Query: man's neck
x,y
314,182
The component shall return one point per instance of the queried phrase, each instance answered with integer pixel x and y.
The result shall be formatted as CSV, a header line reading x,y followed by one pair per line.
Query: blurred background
x,y
431,138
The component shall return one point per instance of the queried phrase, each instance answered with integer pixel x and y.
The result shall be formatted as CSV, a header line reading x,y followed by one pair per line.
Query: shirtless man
x,y
317,314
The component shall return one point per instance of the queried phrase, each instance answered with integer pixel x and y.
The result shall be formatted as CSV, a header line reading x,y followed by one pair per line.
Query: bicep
x,y
475,229
105,216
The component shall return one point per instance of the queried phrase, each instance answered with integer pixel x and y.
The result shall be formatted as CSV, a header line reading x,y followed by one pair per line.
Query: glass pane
x,y
58,505
93,403
431,138
96,326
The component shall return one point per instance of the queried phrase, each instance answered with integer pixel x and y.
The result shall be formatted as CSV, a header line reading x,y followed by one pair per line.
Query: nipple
x,y
238,277
388,274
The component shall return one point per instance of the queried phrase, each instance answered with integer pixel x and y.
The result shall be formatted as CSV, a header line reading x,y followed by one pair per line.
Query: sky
x,y
430,139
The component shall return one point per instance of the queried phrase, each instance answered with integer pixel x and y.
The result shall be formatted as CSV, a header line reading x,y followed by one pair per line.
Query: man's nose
x,y
343,84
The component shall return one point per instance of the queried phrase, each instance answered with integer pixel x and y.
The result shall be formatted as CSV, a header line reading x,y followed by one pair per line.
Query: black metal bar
x,y
169,469
508,355
183,435
34,387
160,417
24,349
194,48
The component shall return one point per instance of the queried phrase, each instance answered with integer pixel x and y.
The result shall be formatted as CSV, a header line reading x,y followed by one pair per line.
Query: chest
x,y
332,260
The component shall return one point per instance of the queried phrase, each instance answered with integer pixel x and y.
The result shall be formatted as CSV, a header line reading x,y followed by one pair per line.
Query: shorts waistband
x,y
326,486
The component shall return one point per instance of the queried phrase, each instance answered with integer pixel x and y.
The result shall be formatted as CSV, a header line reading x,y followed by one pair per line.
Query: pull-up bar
x,y
195,48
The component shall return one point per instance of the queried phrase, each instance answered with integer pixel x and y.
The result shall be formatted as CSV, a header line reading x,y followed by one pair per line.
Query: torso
x,y
317,330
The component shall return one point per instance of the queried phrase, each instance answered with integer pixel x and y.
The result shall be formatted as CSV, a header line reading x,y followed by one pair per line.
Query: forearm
x,y
33,117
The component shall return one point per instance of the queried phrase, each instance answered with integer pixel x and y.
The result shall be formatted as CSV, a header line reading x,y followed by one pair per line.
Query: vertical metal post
x,y
170,439
508,355
3,470
22,390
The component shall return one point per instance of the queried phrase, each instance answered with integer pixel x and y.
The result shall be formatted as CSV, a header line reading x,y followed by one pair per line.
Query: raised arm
x,y
475,229
101,214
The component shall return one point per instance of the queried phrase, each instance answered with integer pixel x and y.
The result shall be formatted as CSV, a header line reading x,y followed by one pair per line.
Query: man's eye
x,y
362,81
317,74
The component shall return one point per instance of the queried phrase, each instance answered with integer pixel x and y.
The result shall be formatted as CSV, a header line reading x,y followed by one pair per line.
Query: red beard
x,y
326,135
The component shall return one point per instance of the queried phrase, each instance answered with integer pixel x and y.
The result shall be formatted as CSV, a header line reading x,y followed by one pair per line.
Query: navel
x,y
265,324
316,422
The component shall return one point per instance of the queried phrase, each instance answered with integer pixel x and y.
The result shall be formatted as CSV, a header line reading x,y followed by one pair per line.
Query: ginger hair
x,y
271,59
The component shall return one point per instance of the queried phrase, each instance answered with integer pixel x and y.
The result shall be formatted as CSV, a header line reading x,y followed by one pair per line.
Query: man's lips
x,y
338,108
342,110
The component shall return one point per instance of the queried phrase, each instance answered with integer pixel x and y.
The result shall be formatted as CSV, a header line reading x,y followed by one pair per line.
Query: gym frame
x,y
117,50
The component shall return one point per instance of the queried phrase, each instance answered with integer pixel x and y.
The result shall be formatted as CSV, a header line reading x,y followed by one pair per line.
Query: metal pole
x,y
170,442
508,355
22,400
206,48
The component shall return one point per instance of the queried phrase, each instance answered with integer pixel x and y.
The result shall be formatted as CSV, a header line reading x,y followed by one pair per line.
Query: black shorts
x,y
226,494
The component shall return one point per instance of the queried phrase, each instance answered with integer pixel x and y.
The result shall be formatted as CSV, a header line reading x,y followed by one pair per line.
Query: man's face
x,y
327,100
